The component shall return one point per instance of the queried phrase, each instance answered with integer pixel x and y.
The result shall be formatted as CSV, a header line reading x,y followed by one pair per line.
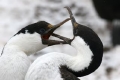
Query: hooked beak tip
x,y
53,28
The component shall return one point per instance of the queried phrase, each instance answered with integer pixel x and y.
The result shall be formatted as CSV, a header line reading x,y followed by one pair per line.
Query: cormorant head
x,y
43,28
35,37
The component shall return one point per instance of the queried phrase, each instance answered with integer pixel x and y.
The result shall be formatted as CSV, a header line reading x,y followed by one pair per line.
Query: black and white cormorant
x,y
14,61
60,66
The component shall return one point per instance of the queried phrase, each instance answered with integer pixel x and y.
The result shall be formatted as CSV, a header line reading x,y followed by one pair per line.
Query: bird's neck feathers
x,y
28,43
13,64
54,62
76,63
84,55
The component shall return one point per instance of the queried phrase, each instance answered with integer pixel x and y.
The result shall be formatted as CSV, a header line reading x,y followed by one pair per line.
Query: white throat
x,y
84,55
28,43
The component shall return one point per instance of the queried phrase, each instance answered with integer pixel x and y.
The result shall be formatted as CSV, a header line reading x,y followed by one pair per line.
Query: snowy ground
x,y
15,14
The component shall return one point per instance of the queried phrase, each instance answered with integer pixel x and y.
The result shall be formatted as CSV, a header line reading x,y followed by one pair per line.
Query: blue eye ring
x,y
42,30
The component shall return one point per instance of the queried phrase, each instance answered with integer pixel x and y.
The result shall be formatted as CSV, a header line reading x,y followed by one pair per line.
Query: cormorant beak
x,y
52,28
74,23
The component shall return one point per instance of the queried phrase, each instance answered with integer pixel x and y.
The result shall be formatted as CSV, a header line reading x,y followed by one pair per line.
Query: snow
x,y
15,14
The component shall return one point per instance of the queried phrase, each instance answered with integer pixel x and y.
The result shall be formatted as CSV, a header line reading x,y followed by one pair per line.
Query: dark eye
x,y
42,30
